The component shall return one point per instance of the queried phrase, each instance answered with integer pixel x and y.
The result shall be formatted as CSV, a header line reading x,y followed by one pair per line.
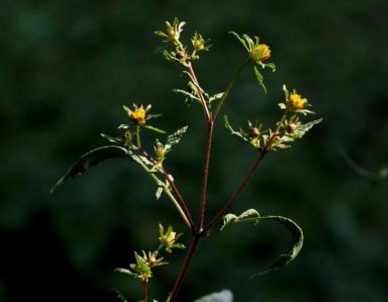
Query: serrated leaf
x,y
222,296
174,138
303,129
187,94
216,97
254,217
89,160
260,78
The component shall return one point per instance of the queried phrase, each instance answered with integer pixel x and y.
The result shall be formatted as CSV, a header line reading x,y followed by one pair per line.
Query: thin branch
x,y
182,203
200,95
229,87
236,193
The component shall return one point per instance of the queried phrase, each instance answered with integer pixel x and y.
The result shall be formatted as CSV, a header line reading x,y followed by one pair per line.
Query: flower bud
x,y
138,115
296,102
160,151
260,53
255,132
290,128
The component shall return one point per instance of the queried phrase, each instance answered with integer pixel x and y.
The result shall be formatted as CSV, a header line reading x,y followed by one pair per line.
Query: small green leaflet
x,y
303,129
260,78
284,258
232,131
89,160
124,271
174,138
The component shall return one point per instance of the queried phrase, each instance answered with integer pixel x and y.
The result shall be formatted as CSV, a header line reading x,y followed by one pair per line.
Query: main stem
x,y
185,266
205,175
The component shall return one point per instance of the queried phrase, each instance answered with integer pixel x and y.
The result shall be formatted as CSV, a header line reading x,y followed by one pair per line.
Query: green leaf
x,y
154,129
216,97
159,192
111,139
303,129
243,42
260,78
232,131
120,295
174,138
254,217
89,160
222,296
125,271
231,218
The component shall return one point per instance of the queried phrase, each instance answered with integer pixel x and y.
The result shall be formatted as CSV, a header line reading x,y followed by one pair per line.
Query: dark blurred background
x,y
67,67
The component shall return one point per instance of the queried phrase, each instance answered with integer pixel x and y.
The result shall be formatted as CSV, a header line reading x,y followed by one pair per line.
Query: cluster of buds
x,y
175,49
168,239
143,265
287,130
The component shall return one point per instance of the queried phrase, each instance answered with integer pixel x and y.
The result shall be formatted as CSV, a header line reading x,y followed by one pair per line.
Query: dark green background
x,y
67,67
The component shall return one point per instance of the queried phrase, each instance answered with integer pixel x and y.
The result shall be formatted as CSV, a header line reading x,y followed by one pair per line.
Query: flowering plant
x,y
129,146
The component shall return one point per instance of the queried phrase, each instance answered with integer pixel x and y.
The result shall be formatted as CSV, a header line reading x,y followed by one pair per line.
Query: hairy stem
x,y
138,140
236,193
205,175
184,268
145,291
200,95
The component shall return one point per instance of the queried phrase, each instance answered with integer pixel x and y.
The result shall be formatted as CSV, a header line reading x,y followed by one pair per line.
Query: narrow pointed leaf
x,y
254,217
290,254
154,129
232,131
89,160
260,78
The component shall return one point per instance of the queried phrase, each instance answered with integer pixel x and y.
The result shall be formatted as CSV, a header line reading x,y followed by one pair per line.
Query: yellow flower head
x,y
296,102
260,53
138,115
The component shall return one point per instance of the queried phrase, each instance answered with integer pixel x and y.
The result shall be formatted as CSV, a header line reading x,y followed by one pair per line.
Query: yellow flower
x,y
260,53
139,115
296,102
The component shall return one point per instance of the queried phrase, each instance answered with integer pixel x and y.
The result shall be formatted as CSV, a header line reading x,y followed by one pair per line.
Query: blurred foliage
x,y
67,67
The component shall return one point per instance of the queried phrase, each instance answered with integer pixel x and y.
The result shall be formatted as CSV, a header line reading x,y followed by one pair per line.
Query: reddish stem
x,y
236,193
145,291
205,175
185,267
200,95
181,201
